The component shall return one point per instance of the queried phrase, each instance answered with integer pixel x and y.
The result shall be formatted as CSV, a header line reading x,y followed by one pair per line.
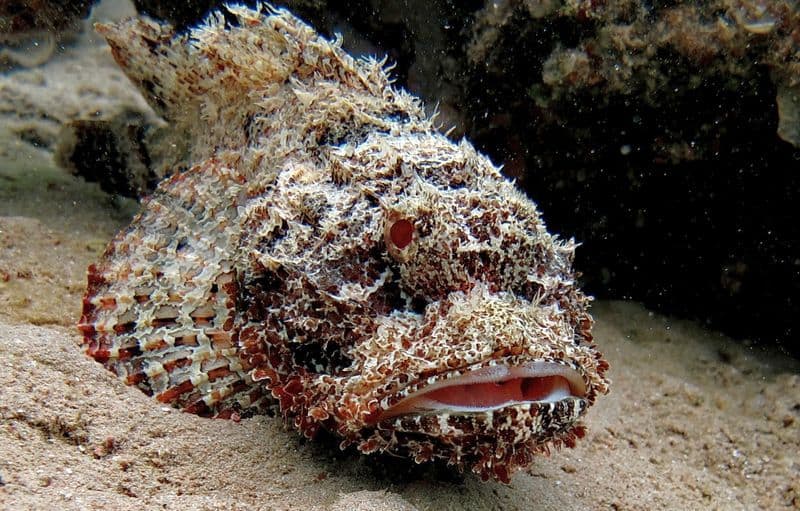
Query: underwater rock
x,y
110,152
329,251
662,135
82,84
31,30
35,15
630,48
789,114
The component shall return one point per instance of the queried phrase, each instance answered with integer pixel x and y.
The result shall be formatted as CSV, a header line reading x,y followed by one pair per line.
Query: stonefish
x,y
327,250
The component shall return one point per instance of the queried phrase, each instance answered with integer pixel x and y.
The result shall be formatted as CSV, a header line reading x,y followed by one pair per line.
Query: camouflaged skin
x,y
327,249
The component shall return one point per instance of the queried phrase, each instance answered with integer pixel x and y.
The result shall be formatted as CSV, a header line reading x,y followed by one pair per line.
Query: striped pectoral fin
x,y
159,306
178,344
194,373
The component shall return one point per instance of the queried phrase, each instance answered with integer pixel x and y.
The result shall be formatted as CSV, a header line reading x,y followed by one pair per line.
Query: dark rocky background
x,y
665,136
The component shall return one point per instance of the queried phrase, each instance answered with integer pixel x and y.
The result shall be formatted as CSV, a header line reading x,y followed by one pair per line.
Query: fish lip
x,y
492,371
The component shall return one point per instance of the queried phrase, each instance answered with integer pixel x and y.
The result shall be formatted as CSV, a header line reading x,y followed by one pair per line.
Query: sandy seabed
x,y
694,420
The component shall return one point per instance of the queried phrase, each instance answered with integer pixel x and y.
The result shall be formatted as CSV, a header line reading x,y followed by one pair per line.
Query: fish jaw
x,y
529,384
496,385
492,439
490,420
493,444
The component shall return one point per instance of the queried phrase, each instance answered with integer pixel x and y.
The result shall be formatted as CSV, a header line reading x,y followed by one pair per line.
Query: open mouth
x,y
493,387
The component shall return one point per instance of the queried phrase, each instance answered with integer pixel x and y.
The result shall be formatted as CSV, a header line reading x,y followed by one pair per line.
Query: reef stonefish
x,y
327,250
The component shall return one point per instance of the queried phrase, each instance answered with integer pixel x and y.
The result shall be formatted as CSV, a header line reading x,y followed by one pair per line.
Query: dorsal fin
x,y
225,57
147,53
216,79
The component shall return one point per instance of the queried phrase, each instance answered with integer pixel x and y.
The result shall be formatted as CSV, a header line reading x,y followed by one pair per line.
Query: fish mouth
x,y
491,388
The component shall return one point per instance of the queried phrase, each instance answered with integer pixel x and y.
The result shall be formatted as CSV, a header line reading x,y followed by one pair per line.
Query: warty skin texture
x,y
327,249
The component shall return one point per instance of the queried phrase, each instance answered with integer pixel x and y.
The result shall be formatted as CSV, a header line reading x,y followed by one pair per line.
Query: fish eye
x,y
401,233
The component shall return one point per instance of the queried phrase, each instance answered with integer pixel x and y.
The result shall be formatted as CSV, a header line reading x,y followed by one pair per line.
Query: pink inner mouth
x,y
493,387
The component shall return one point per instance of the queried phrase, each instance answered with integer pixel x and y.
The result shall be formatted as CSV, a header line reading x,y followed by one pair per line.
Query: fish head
x,y
433,315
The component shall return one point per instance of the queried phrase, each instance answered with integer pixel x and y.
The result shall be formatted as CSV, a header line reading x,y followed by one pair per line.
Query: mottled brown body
x,y
329,250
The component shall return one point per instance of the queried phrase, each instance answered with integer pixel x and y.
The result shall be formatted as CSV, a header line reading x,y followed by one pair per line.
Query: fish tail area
x,y
160,319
